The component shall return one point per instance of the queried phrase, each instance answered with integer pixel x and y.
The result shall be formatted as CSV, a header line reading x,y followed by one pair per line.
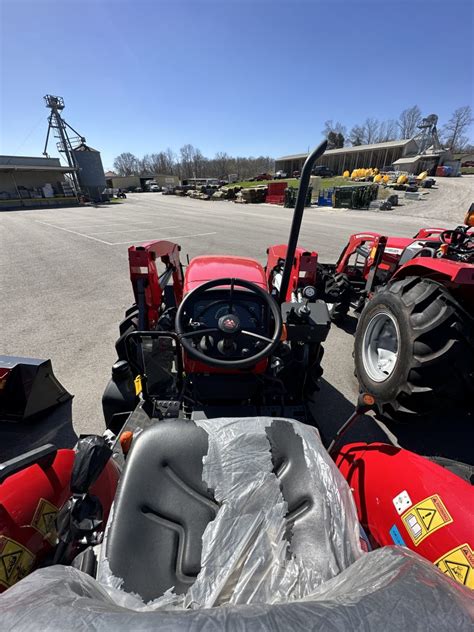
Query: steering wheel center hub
x,y
229,324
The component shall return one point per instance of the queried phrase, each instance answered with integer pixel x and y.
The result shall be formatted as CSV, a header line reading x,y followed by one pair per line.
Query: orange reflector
x,y
444,249
372,252
126,439
284,333
369,400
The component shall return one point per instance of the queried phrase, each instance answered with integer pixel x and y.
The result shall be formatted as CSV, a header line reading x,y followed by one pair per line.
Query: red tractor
x,y
216,485
414,343
225,333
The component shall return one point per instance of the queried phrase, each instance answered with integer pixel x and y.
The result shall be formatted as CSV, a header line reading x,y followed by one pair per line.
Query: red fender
x,y
406,499
303,271
29,502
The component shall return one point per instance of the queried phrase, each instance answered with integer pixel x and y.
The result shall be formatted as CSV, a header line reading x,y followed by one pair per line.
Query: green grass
x,y
467,170
326,183
337,181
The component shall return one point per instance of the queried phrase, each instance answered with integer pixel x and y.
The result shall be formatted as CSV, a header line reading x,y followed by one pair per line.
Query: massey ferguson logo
x,y
230,323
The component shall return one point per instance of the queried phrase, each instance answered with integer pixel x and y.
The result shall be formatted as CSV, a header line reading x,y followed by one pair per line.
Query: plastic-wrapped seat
x,y
161,510
262,487
237,524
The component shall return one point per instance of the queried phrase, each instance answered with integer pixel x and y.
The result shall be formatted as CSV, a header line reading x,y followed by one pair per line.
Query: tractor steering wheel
x,y
228,329
455,237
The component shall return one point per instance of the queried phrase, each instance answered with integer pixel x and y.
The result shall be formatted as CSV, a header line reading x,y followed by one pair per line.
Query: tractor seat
x,y
161,510
163,506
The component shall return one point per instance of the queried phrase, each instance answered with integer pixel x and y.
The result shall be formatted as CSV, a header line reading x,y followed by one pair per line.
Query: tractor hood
x,y
396,245
210,267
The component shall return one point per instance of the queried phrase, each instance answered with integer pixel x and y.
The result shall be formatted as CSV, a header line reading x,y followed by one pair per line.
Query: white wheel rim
x,y
380,347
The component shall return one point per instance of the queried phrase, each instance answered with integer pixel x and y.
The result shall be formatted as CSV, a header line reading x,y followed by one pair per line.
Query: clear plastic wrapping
x,y
256,573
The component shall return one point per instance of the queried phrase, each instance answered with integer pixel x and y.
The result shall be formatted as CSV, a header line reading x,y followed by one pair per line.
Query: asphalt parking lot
x,y
65,280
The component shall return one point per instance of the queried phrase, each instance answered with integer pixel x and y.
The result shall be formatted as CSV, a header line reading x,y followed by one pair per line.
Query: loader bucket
x,y
28,387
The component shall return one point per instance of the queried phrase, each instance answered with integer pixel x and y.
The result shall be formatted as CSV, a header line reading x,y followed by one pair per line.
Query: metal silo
x,y
91,172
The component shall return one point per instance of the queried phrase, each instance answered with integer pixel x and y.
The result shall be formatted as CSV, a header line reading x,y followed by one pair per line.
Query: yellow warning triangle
x,y
9,562
48,520
426,516
458,571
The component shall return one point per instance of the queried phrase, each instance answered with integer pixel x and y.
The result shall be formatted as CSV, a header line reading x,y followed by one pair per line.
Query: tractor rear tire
x,y
414,350
338,296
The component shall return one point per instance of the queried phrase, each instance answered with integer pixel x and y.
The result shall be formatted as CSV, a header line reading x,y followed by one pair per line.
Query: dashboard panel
x,y
251,312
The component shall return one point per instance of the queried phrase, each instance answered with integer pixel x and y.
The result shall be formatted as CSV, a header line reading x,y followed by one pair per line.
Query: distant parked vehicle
x,y
155,188
323,172
263,176
167,191
296,174
279,175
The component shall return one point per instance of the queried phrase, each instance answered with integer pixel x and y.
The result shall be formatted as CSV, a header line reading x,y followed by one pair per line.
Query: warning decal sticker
x,y
425,517
138,384
402,502
459,565
44,520
15,561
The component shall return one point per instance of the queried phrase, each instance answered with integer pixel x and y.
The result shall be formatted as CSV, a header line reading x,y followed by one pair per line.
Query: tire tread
x,y
440,374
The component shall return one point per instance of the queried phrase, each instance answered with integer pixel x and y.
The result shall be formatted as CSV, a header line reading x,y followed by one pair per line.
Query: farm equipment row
x,y
222,492
414,343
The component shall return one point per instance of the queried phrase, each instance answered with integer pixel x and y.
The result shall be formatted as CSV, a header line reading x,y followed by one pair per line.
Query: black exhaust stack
x,y
28,387
298,216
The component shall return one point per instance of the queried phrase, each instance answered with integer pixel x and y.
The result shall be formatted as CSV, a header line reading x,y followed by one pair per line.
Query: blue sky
x,y
246,77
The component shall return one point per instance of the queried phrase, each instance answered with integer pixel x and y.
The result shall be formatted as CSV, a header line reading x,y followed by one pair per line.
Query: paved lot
x,y
65,280
447,202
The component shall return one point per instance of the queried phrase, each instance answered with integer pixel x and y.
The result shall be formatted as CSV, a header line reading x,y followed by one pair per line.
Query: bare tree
x,y
335,133
371,127
199,164
366,133
169,164
388,130
357,135
454,131
221,162
187,156
158,163
408,122
335,140
146,166
192,163
126,164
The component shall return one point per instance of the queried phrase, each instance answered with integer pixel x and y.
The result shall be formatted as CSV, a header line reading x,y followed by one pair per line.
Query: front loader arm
x,y
148,284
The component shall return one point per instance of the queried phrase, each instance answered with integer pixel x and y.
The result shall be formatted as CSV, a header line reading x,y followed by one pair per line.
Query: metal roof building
x,y
31,180
378,155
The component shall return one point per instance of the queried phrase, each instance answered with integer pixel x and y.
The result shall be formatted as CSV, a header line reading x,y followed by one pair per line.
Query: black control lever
x,y
82,514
